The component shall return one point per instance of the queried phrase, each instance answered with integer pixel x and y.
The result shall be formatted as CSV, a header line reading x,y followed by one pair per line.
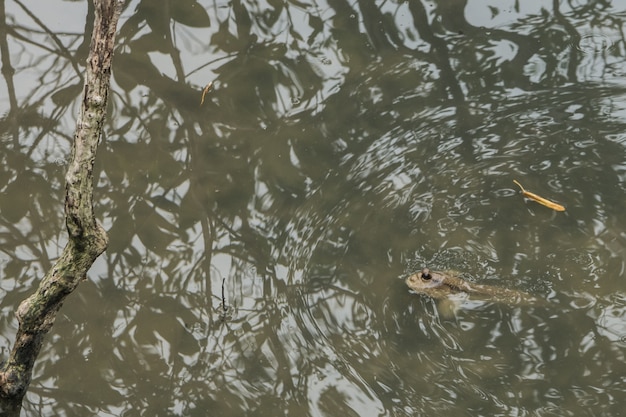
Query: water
x,y
260,241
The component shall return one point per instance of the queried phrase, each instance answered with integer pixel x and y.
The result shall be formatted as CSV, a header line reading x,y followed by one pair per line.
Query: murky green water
x,y
260,240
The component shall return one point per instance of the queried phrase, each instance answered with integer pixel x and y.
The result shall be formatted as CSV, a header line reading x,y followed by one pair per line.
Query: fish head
x,y
425,280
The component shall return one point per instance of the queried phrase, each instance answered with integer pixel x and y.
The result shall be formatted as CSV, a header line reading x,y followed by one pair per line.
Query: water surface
x,y
260,240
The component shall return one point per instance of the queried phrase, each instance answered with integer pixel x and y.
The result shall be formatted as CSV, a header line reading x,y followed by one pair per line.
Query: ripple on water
x,y
594,44
617,138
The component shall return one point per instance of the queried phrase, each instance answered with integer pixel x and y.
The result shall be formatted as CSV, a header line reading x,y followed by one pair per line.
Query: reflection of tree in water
x,y
339,139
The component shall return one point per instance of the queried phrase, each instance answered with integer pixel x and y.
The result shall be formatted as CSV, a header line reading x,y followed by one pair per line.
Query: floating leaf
x,y
540,200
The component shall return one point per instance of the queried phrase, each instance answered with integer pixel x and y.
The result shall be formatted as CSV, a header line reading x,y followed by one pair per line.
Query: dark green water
x,y
260,240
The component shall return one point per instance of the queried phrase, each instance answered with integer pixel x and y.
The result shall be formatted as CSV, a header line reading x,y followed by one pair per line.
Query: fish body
x,y
442,285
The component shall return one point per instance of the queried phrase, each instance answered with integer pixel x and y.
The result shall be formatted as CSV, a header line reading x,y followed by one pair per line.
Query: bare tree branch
x,y
87,239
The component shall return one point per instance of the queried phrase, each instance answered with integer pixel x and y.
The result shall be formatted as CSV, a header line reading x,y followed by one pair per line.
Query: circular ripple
x,y
594,44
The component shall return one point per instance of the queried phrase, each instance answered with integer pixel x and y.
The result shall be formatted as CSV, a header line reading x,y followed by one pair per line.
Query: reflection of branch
x,y
174,51
43,257
374,22
7,72
423,28
527,46
64,51
207,224
14,232
447,73
574,41
208,238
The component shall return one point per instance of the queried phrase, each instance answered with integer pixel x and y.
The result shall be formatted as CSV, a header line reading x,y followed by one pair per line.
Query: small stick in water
x,y
540,200
206,90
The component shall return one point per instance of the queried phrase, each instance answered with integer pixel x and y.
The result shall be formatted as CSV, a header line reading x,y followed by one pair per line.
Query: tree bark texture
x,y
87,238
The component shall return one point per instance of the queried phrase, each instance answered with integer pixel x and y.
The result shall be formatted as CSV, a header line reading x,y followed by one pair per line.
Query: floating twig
x,y
206,90
540,200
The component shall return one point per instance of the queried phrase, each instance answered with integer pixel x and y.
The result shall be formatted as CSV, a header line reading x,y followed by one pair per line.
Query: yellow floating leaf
x,y
540,200
206,90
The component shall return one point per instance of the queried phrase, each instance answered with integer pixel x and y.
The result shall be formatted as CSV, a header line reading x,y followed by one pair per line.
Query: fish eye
x,y
426,274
